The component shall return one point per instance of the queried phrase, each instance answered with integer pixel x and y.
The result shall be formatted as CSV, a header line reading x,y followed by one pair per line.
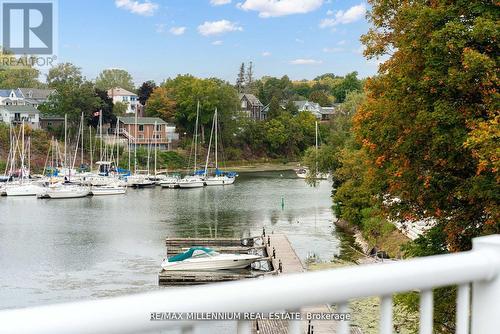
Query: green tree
x,y
320,97
240,80
160,104
112,78
17,72
274,108
73,95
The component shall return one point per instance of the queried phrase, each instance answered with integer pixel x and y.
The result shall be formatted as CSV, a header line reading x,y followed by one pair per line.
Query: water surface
x,y
63,250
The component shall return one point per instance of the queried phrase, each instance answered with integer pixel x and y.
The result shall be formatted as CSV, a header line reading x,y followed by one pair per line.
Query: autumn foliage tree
x,y
430,122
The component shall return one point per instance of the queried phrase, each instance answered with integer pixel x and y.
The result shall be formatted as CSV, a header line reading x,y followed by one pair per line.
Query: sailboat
x,y
220,178
195,180
23,186
304,172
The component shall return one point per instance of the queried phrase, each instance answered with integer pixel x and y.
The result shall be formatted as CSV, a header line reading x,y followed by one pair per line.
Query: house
x,y
149,131
321,113
124,96
24,96
18,114
11,97
251,106
35,96
51,122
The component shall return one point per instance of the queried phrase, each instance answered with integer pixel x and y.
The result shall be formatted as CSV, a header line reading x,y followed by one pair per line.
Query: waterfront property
x,y
148,131
321,113
25,96
251,106
129,99
18,114
50,122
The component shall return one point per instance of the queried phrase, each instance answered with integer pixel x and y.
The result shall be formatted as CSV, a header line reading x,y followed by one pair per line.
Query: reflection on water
x,y
60,250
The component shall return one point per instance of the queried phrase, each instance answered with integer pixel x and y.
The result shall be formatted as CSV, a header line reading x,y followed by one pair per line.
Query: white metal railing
x,y
130,314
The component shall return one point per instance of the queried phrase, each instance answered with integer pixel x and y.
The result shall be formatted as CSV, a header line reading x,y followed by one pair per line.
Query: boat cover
x,y
188,254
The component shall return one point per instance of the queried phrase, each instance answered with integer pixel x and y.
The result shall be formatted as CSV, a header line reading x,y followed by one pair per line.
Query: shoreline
x,y
254,167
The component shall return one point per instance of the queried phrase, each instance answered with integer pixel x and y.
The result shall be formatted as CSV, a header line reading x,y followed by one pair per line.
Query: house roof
x,y
252,99
142,120
118,91
36,93
6,92
51,117
20,109
301,104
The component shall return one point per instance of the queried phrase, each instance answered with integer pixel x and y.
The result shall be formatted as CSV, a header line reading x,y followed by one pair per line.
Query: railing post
x,y
486,294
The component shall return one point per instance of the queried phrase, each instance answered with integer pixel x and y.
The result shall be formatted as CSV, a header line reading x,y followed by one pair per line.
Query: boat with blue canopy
x,y
206,259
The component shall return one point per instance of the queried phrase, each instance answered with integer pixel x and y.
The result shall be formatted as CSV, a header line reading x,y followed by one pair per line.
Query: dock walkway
x,y
286,259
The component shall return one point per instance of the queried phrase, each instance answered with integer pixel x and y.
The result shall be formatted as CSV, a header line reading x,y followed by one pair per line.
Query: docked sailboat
x,y
171,182
219,178
108,190
62,191
305,172
203,259
197,179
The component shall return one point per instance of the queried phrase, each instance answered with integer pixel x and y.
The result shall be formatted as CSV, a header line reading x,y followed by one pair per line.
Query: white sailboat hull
x,y
23,190
67,192
219,181
193,184
106,191
221,262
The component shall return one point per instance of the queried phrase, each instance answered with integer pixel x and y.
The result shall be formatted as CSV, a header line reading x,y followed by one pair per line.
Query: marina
x,y
104,246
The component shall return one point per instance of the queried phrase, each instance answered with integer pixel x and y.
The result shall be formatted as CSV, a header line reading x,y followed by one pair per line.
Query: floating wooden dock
x,y
286,260
222,245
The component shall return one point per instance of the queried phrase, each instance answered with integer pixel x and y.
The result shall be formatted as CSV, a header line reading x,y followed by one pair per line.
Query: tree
x,y
347,84
249,78
430,120
73,95
240,80
320,97
112,78
291,108
119,108
274,108
161,104
145,91
17,72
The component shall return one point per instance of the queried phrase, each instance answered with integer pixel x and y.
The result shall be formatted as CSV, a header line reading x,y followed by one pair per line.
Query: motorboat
x,y
192,181
108,190
170,182
206,259
66,191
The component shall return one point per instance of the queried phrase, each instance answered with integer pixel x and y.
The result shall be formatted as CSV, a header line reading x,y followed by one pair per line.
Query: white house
x,y
124,96
9,97
321,113
24,96
18,114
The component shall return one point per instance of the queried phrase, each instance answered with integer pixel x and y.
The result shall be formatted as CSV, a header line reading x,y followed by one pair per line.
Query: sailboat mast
x,y
196,135
117,144
65,138
316,151
156,145
210,145
135,143
100,134
90,144
22,151
216,126
81,150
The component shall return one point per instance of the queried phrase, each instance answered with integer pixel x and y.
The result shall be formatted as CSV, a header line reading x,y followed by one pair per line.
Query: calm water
x,y
61,250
